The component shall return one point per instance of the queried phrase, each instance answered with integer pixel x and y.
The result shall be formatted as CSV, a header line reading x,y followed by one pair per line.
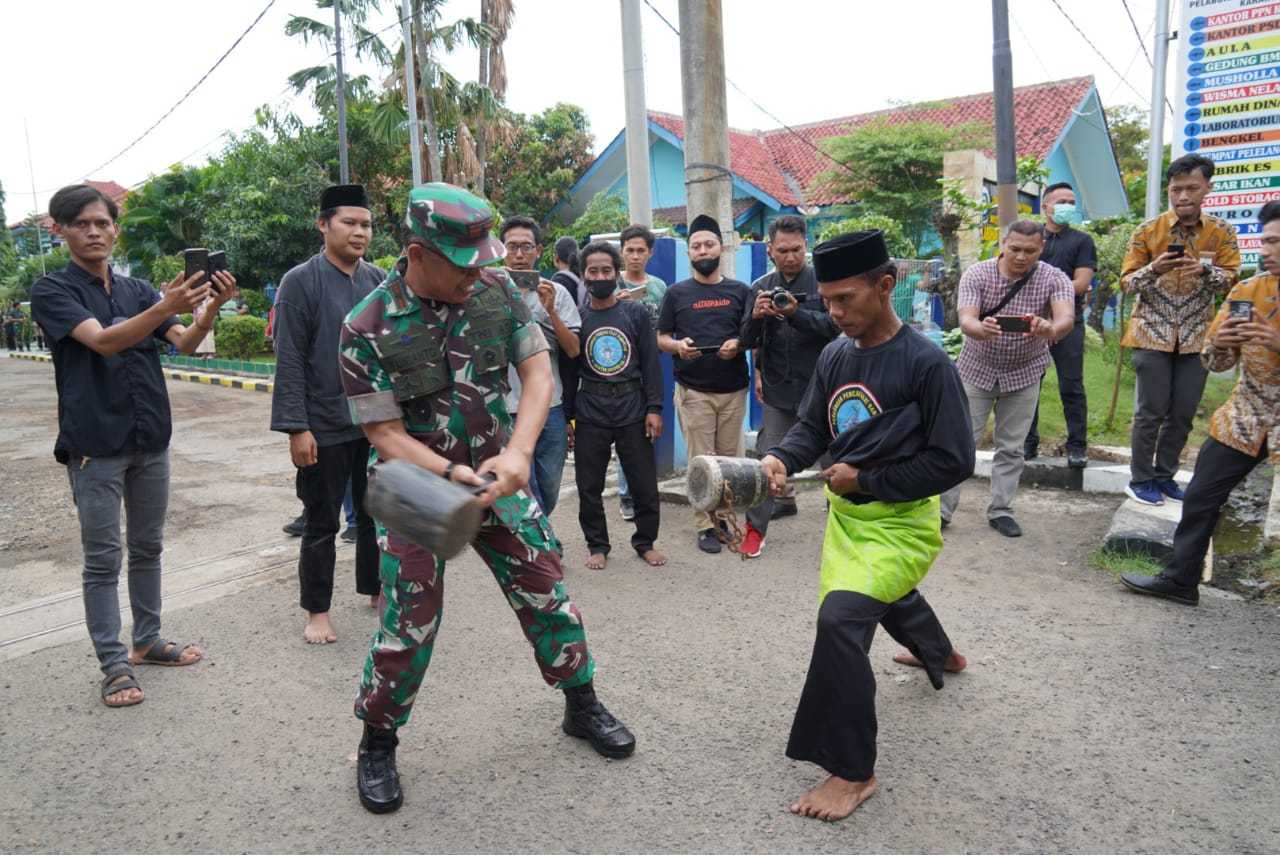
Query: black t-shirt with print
x,y
618,348
710,315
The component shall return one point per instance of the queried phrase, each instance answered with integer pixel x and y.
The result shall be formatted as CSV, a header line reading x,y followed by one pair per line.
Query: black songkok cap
x,y
344,194
703,223
849,255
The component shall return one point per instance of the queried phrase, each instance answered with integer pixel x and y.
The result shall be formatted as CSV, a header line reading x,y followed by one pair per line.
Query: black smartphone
x,y
1013,323
1176,248
708,348
1240,309
526,280
196,261
217,262
478,489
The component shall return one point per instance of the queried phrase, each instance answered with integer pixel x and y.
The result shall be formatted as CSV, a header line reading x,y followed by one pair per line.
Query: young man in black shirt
x,y
114,423
789,332
889,407
698,322
619,403
1071,251
308,402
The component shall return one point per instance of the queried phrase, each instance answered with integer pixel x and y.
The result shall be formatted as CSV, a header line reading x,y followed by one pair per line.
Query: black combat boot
x,y
376,778
586,718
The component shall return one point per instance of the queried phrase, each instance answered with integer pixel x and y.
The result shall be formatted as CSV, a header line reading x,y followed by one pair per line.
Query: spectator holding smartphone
x,y
1002,303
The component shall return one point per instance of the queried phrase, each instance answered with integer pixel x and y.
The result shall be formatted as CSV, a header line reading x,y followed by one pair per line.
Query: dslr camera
x,y
782,297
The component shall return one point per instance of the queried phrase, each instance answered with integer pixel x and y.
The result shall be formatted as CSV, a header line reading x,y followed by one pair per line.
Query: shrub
x,y
241,337
164,268
256,301
900,246
387,263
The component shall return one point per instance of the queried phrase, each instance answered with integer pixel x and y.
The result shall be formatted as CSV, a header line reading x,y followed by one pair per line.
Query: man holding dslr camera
x,y
788,325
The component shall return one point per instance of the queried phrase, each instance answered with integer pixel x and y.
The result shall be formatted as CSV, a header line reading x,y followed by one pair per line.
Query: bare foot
x,y
654,558
955,662
834,799
123,697
373,601
597,560
318,629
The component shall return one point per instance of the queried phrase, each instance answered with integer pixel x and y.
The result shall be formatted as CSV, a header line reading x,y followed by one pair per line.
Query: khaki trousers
x,y
712,424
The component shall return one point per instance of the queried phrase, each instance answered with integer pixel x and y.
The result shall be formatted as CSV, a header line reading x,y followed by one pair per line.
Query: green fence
x,y
262,369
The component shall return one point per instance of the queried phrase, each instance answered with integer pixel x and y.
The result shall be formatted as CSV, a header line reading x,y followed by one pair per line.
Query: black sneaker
x,y
1161,586
708,542
1077,459
298,527
349,534
1030,452
783,509
586,718
627,508
377,780
1007,526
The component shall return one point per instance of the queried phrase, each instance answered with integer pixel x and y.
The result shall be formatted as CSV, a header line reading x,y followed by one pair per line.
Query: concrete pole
x,y
638,199
344,173
708,181
411,93
1155,153
1002,91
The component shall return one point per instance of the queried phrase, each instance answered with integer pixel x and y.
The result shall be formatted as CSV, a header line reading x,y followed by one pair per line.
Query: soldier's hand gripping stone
x,y
424,363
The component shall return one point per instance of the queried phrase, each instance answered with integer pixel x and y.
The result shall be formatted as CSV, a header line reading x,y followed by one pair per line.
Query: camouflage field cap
x,y
456,222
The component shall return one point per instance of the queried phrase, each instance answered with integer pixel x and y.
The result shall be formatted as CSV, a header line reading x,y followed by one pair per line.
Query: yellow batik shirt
x,y
1245,421
1174,309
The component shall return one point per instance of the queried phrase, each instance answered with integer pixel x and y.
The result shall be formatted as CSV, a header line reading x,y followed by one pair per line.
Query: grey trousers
x,y
1013,411
98,486
1167,393
773,427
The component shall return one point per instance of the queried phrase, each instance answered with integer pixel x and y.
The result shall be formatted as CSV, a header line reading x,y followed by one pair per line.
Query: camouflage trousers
x,y
524,557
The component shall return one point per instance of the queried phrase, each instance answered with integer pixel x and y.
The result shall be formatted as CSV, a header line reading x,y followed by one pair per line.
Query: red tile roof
x,y
110,189
782,161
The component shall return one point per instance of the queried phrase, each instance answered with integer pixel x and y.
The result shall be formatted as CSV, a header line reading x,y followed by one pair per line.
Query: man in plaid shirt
x,y
1001,369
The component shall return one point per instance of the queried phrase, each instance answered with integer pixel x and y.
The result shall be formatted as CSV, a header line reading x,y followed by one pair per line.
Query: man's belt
x,y
610,390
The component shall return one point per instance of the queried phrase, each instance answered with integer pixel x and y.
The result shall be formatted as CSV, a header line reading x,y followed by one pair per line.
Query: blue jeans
x,y
349,507
548,460
624,493
99,485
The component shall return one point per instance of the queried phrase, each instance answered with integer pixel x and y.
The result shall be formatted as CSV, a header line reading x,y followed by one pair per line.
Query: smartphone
x,y
708,348
1013,323
478,489
1176,248
217,261
1240,309
526,280
195,261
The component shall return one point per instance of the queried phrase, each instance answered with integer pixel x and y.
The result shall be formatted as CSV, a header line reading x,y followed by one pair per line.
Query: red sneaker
x,y
752,543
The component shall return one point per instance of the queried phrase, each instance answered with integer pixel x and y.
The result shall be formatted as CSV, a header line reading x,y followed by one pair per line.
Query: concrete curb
x,y
225,380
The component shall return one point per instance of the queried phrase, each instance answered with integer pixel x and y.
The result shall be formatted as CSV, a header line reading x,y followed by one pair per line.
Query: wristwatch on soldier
x,y
448,470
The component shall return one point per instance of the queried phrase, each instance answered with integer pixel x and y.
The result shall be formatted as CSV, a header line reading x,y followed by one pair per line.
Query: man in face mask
x,y
698,323
1071,251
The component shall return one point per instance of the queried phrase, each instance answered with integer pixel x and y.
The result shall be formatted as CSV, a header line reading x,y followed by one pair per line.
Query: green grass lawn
x,y
1099,379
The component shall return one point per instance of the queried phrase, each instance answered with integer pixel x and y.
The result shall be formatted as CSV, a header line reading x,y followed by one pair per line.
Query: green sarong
x,y
880,549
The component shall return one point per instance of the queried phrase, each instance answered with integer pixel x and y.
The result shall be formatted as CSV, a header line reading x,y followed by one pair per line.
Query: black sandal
x,y
120,681
164,652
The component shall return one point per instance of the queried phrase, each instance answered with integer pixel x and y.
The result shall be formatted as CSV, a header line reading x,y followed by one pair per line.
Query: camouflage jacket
x,y
439,367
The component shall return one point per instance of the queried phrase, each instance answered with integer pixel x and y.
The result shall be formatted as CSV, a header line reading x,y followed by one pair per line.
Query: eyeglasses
x,y
521,247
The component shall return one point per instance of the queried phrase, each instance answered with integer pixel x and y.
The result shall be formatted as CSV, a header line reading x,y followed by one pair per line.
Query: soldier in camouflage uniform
x,y
424,363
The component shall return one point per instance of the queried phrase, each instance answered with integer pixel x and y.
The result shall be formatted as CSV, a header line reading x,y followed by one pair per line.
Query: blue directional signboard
x,y
1227,106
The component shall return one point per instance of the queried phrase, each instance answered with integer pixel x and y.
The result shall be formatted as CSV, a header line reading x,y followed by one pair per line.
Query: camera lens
x,y
781,299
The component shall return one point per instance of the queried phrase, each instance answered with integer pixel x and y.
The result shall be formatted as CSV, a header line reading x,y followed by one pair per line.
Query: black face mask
x,y
601,288
706,266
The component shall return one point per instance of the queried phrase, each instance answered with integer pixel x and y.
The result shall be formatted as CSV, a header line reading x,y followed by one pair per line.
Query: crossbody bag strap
x,y
1011,293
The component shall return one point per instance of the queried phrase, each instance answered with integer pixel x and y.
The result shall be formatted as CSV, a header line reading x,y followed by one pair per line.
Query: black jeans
x,y
1219,468
1168,388
591,445
1068,363
321,487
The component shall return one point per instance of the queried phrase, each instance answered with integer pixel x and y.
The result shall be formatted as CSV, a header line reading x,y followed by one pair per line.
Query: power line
x,y
1136,32
188,94
1100,54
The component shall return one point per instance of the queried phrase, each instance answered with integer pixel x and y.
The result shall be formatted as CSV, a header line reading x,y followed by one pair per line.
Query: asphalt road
x,y
1089,720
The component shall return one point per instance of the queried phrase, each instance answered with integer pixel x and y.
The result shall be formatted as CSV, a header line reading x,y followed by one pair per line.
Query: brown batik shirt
x,y
1245,421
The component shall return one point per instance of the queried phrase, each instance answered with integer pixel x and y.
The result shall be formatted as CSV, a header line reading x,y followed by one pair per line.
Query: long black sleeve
x,y
810,435
650,367
751,334
292,335
949,458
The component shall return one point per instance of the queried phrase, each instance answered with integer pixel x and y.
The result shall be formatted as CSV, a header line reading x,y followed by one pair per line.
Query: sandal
x,y
164,652
120,681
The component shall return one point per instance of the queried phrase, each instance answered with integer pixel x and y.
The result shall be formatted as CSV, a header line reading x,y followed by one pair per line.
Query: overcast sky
x,y
90,77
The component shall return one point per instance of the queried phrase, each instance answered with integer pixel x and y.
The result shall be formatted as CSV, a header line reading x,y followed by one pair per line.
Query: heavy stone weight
x,y
423,508
724,483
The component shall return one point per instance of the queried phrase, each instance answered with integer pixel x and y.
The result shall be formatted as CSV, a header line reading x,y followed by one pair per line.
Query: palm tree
x,y
497,16
367,45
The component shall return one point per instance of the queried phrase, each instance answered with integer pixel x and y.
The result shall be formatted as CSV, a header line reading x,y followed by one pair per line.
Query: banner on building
x,y
1227,106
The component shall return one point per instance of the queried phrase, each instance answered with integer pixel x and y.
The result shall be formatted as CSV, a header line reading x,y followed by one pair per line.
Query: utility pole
x,y
344,173
1155,147
1002,91
638,199
707,179
35,205
411,93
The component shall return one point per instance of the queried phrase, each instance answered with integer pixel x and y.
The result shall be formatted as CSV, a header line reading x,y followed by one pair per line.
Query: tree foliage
x,y
163,217
534,169
27,269
900,246
241,337
1130,139
893,169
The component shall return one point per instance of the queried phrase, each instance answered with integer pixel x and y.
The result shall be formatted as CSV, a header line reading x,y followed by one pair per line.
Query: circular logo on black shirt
x,y
608,351
851,404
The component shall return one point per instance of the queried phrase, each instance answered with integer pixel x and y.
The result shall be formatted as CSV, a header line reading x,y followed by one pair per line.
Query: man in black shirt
x,y
698,322
789,333
114,423
1071,251
619,403
308,402
889,407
